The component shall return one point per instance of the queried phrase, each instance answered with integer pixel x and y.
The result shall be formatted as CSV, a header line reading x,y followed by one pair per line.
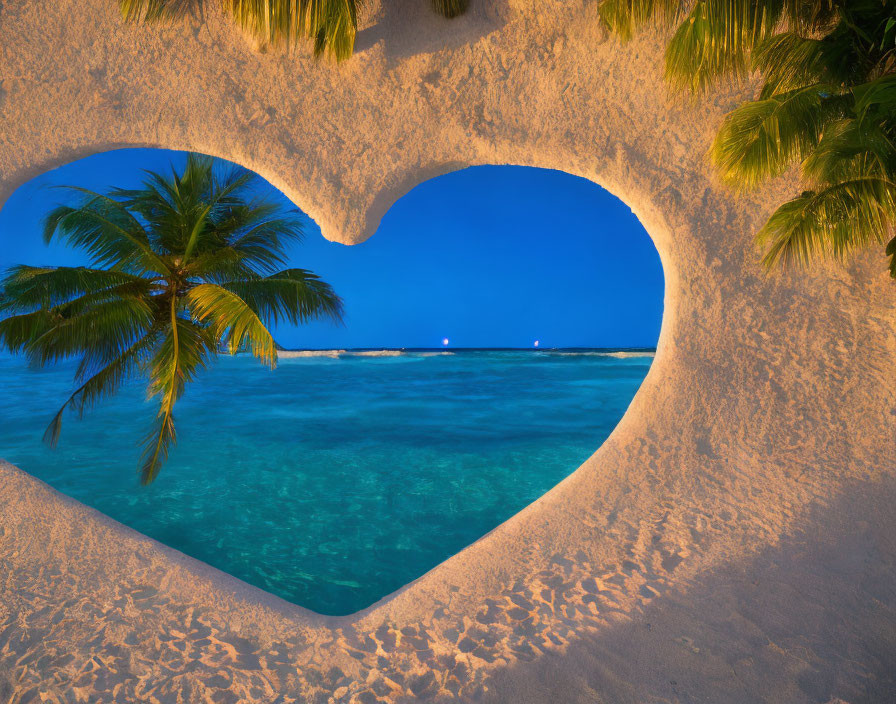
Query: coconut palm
x,y
331,24
182,268
828,102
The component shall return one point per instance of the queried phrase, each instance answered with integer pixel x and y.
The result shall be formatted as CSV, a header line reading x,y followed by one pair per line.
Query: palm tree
x,y
181,268
828,102
331,24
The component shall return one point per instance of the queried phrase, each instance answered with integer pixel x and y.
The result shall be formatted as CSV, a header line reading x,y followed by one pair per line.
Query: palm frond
x,y
164,221
203,198
182,352
293,295
219,266
154,10
98,324
25,287
845,55
18,331
157,444
199,226
814,15
851,149
450,8
789,61
232,320
625,17
761,138
106,231
201,203
263,246
716,39
331,24
101,384
828,100
103,328
876,99
184,349
251,240
834,221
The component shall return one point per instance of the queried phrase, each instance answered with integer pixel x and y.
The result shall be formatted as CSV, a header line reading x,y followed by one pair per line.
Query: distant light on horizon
x,y
536,343
445,342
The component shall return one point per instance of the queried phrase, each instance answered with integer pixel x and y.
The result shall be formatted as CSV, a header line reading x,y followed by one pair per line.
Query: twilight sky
x,y
491,256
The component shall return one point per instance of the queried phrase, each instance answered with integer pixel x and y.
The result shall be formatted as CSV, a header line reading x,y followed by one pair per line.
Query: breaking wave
x,y
622,354
299,354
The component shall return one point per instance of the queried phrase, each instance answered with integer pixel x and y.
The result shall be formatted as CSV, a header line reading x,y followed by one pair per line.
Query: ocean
x,y
340,476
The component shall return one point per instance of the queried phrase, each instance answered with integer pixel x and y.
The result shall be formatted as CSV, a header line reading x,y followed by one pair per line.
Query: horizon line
x,y
452,347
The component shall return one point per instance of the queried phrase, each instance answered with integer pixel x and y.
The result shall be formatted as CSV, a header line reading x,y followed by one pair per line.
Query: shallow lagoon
x,y
332,480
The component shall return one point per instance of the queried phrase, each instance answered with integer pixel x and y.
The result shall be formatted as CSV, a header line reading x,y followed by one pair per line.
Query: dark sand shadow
x,y
410,27
810,620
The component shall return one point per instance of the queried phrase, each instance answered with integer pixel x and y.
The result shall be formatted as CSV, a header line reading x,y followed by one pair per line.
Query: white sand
x,y
732,541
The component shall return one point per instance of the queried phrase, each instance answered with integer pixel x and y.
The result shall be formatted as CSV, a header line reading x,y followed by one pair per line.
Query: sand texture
x,y
732,541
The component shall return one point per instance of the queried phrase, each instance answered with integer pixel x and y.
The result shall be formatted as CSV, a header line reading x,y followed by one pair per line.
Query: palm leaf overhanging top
x,y
189,264
450,8
828,103
330,24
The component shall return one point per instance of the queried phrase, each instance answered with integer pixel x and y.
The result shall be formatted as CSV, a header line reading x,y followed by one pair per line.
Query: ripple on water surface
x,y
333,480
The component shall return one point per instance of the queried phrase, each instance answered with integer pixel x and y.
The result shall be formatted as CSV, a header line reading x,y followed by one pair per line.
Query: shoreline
x,y
339,353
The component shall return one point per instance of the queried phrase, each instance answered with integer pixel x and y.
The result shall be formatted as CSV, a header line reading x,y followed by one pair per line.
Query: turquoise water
x,y
330,482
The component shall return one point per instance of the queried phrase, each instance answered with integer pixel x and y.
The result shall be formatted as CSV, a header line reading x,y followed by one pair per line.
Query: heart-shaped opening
x,y
345,474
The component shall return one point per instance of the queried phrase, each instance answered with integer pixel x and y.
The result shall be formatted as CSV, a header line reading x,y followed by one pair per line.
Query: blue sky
x,y
491,256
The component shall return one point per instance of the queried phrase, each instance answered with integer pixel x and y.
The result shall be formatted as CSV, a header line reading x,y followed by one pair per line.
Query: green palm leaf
x,y
106,231
834,221
101,383
25,287
331,25
789,61
104,328
625,17
450,8
79,311
761,138
232,320
249,241
293,295
716,39
182,352
829,100
153,10
18,331
852,149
